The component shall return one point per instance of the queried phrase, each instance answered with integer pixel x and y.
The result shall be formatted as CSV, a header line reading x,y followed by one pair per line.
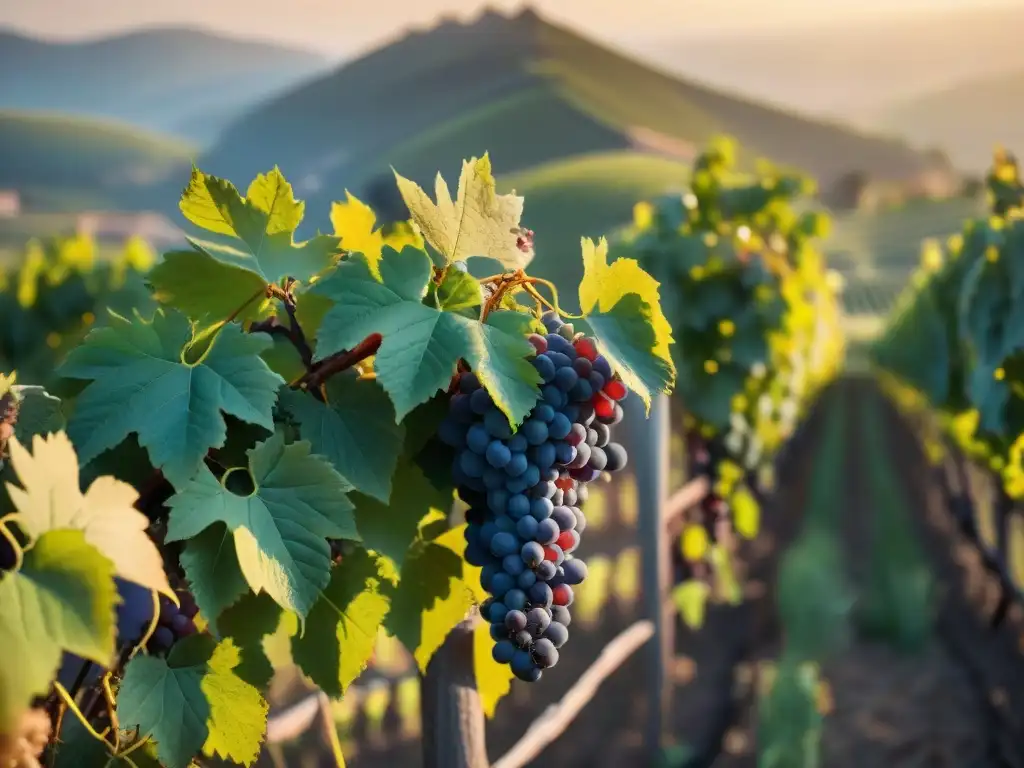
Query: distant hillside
x,y
966,120
180,81
855,68
61,163
529,91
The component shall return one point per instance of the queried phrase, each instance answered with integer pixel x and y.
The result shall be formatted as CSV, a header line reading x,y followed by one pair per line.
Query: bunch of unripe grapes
x,y
174,623
525,489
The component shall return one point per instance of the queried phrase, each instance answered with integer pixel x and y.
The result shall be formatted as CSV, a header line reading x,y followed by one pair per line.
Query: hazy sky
x,y
337,27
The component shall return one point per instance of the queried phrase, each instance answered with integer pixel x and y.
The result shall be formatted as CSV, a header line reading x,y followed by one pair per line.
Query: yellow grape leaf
x,y
691,599
695,543
354,222
622,305
493,680
479,222
746,512
50,499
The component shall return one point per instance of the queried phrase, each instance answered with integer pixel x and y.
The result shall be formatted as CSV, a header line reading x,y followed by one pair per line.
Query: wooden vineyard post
x,y
451,715
649,446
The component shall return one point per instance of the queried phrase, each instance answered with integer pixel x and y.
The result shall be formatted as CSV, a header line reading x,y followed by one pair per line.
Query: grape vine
x,y
57,292
755,317
954,345
276,448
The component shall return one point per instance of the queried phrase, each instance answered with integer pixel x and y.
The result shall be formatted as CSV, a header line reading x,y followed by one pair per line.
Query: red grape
x,y
615,389
586,348
562,595
603,407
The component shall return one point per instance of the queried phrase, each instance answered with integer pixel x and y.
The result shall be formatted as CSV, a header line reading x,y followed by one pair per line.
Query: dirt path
x,y
956,698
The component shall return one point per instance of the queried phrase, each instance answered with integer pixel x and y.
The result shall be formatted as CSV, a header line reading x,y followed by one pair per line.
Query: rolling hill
x,y
967,119
180,81
62,163
529,91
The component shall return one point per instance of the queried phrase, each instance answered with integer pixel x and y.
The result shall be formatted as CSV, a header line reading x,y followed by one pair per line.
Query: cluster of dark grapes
x,y
525,488
174,623
715,513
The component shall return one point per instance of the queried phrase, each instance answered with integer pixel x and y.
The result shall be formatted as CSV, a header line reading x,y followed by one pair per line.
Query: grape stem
x,y
293,331
318,375
69,702
506,281
19,553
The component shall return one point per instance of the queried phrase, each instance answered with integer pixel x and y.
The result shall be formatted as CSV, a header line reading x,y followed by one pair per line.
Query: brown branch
x,y
293,331
340,361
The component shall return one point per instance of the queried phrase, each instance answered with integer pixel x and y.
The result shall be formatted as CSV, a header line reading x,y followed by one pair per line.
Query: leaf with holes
x,y
281,528
140,383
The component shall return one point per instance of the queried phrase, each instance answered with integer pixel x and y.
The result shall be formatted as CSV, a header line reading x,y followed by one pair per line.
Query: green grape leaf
x,y
432,596
213,572
141,385
263,224
355,430
709,396
341,630
50,499
992,322
247,623
39,413
62,599
193,701
196,284
621,304
280,530
422,344
479,222
459,292
390,529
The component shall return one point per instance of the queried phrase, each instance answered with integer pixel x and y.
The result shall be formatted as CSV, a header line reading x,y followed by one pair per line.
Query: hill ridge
x,y
181,80
437,94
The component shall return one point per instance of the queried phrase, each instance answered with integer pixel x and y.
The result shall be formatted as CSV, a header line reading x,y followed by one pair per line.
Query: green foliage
x,y
955,342
57,292
754,316
307,507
